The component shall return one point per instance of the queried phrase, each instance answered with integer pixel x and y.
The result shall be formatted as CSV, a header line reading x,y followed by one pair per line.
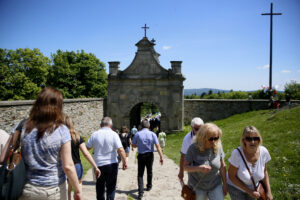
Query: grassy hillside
x,y
281,136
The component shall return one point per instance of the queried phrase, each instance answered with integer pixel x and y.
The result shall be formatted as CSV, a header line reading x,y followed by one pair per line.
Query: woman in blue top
x,y
46,150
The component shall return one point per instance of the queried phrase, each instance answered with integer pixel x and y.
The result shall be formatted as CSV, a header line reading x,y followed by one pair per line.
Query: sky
x,y
223,44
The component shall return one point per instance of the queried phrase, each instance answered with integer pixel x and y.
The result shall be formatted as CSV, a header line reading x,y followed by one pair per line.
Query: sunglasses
x,y
213,139
250,139
196,129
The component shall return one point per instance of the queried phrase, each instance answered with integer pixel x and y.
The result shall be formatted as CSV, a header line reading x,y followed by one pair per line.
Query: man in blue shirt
x,y
145,140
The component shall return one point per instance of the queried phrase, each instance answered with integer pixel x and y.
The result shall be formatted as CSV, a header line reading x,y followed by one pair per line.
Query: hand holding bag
x,y
262,190
261,187
12,174
188,193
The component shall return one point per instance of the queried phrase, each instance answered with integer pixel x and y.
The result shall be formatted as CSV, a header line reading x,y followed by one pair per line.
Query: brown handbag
x,y
261,186
187,193
262,190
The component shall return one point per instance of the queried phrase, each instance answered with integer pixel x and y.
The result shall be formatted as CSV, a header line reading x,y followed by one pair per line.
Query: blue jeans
x,y
236,194
213,194
108,178
79,170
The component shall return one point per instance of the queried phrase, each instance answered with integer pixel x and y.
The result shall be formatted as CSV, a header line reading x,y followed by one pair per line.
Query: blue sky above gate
x,y
223,44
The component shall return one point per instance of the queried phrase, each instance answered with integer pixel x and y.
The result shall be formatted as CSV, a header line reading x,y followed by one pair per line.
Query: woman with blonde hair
x,y
46,150
256,156
205,164
77,143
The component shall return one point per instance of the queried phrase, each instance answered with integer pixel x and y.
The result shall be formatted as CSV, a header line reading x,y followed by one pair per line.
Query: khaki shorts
x,y
34,192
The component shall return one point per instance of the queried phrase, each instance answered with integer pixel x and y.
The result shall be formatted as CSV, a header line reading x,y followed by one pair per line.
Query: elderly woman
x,y
205,164
46,150
240,185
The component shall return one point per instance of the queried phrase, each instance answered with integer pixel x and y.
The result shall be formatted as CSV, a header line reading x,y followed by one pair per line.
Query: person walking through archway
x,y
106,144
145,140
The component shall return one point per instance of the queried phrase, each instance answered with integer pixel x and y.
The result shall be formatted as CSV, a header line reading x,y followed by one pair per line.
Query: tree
x,y
203,95
78,74
293,89
22,73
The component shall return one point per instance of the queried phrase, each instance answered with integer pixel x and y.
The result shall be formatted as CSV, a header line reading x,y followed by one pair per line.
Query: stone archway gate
x,y
145,80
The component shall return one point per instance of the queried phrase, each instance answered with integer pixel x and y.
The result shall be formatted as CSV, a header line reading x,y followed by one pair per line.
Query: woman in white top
x,y
240,186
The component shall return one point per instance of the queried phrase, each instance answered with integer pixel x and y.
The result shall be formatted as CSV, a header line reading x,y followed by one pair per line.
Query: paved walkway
x,y
165,182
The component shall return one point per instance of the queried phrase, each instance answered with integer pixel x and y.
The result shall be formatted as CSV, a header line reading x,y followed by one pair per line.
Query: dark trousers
x,y
145,160
107,179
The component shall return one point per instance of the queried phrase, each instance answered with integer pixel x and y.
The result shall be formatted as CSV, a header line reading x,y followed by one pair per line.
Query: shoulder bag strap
x,y
247,168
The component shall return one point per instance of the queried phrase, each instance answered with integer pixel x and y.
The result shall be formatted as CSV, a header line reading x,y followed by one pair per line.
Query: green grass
x,y
281,136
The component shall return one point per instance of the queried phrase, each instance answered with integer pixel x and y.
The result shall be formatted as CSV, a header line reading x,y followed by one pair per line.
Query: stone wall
x,y
214,109
86,113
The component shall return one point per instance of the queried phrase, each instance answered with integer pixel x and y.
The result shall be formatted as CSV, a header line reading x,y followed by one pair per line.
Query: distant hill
x,y
202,90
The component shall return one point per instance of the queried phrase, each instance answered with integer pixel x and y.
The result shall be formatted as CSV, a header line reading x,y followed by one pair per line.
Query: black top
x,y
75,150
20,125
125,140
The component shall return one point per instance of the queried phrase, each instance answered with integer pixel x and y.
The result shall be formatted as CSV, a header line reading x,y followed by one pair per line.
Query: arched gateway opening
x,y
145,81
146,110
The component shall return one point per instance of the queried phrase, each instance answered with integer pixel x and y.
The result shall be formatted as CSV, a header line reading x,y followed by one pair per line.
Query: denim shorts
x,y
79,170
127,150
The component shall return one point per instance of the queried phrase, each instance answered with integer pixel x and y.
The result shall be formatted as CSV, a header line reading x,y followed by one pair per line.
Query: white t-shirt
x,y
187,141
105,142
4,137
257,169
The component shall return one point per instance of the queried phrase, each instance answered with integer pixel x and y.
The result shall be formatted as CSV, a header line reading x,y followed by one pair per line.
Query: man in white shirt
x,y
196,124
106,144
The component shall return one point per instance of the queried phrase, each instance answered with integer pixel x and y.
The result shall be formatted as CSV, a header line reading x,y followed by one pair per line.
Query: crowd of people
x,y
51,145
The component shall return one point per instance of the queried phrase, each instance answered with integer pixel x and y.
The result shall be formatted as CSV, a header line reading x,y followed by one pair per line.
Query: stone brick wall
x,y
86,113
214,109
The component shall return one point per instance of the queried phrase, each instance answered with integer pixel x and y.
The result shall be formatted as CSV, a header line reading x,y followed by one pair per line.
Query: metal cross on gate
x,y
145,28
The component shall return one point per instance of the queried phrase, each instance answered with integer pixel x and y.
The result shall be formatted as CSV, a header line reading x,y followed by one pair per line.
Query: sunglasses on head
x,y
213,139
250,139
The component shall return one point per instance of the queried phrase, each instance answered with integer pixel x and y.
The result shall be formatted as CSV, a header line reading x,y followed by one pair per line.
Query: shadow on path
x,y
88,183
128,192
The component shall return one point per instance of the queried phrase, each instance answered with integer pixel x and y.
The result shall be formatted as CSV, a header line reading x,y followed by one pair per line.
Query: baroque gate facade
x,y
145,80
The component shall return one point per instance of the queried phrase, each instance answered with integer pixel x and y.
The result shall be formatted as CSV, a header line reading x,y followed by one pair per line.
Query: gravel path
x,y
165,181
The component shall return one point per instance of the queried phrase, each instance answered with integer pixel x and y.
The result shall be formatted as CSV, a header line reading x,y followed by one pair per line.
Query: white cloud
x,y
166,47
263,67
285,71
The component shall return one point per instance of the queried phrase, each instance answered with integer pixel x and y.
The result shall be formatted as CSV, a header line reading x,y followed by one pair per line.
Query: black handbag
x,y
12,175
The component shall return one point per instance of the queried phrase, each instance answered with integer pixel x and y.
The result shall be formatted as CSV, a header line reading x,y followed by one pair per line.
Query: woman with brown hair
x,y
126,140
46,150
77,143
256,156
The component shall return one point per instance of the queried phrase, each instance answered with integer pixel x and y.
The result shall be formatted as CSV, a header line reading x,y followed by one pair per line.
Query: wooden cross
x,y
271,33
